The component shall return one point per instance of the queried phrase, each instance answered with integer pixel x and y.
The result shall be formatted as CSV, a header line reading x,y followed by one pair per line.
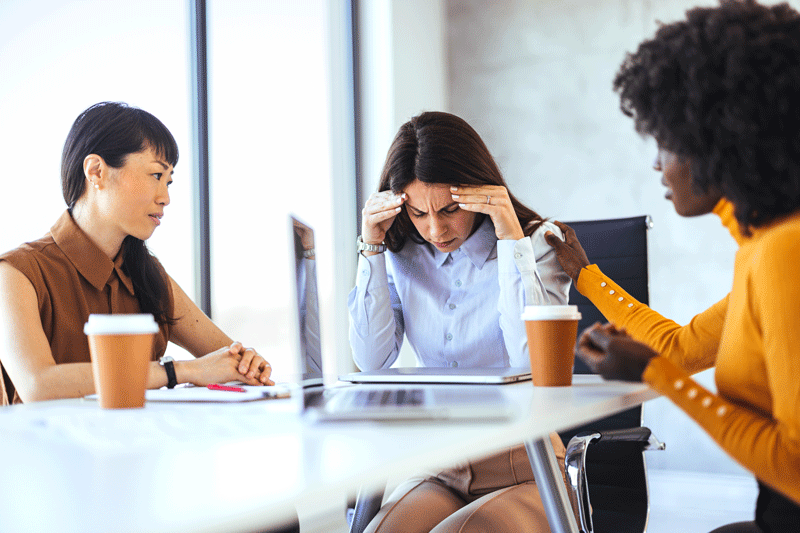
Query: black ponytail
x,y
149,279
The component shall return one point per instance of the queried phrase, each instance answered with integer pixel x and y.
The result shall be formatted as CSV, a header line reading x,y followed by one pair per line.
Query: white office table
x,y
70,466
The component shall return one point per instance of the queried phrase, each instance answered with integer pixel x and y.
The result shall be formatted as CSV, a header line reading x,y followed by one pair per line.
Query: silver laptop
x,y
486,376
372,401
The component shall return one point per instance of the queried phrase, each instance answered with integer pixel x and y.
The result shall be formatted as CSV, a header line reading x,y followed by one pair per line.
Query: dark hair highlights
x,y
438,147
114,130
722,88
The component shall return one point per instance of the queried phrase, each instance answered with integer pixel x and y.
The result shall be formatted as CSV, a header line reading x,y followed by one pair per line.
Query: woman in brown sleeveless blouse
x,y
116,167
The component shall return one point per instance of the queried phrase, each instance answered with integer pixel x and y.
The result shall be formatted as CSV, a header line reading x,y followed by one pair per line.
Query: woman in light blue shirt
x,y
464,258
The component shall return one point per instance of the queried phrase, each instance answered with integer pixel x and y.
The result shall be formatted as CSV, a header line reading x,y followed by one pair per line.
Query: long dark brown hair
x,y
437,147
114,130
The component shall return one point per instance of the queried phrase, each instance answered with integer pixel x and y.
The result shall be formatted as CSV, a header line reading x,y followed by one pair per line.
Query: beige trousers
x,y
496,494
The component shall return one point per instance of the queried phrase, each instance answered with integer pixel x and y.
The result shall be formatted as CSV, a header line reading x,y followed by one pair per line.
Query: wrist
x,y
183,371
577,273
511,237
369,247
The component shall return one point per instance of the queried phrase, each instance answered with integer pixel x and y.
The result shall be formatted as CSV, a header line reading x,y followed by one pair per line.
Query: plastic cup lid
x,y
124,324
551,312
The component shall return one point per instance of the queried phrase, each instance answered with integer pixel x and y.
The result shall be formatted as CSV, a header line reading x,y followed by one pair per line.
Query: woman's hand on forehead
x,y
491,200
378,215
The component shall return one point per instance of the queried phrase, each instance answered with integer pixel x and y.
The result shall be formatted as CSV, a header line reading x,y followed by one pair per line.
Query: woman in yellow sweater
x,y
719,92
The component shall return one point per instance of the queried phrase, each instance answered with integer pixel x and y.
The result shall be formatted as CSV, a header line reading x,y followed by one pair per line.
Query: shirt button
x,y
630,305
692,394
458,283
611,291
365,272
620,298
452,306
603,284
518,255
722,410
449,336
678,384
707,401
454,364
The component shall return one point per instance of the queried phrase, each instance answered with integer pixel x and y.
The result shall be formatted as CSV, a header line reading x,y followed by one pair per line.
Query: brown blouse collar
x,y
87,257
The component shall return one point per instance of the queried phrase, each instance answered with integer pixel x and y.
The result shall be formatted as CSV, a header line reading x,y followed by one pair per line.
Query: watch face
x,y
166,359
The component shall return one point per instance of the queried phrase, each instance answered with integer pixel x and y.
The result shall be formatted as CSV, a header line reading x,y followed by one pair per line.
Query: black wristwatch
x,y
169,365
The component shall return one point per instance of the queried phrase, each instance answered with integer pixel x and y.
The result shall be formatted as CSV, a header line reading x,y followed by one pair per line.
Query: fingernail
x,y
454,188
397,209
399,200
403,196
462,205
455,196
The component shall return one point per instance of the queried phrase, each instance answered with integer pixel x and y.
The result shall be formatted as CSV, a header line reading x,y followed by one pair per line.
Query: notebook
x,y
372,401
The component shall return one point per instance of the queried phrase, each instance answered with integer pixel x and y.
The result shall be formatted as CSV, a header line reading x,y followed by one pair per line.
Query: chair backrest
x,y
616,474
619,248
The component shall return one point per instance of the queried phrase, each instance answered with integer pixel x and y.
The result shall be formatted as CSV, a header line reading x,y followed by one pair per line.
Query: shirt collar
x,y
86,256
478,246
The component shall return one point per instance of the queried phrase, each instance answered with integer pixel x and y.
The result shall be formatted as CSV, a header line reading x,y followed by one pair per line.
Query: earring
x,y
96,186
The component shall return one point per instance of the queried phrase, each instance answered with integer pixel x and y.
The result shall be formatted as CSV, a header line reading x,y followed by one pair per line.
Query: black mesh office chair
x,y
605,459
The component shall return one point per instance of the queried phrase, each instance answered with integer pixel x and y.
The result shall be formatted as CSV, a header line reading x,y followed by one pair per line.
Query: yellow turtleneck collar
x,y
724,210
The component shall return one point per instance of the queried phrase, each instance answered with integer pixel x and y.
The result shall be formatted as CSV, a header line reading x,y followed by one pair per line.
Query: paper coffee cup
x,y
121,347
552,331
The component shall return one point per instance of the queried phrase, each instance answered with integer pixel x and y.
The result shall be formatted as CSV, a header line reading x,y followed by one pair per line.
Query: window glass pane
x,y
270,155
58,58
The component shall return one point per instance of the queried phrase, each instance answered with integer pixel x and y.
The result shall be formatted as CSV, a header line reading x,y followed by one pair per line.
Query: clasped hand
x,y
612,353
231,363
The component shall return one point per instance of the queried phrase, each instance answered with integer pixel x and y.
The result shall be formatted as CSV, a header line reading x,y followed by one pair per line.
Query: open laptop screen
x,y
306,303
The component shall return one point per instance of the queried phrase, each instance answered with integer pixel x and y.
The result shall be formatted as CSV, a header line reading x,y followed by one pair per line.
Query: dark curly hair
x,y
722,88
438,147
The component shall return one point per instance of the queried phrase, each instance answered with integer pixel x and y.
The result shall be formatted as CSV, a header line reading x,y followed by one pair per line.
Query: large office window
x,y
269,99
272,78
56,59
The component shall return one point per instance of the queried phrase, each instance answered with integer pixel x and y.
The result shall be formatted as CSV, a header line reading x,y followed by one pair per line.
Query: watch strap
x,y
169,367
365,247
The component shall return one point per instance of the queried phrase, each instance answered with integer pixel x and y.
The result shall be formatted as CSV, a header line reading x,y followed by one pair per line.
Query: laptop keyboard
x,y
371,399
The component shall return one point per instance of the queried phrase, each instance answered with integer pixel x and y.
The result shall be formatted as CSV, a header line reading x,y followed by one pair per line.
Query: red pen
x,y
217,386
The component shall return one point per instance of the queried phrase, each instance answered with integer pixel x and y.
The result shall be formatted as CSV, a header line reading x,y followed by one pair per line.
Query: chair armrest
x,y
368,503
639,434
575,465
